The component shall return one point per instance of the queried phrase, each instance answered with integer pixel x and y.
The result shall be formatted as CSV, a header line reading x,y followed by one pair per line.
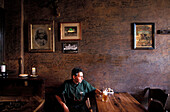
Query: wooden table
x,y
119,102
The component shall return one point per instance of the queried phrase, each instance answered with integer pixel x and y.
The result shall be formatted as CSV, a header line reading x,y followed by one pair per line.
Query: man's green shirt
x,y
76,93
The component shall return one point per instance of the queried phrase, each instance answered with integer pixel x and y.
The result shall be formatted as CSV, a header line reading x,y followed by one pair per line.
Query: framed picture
x,y
70,31
144,35
41,38
71,47
163,31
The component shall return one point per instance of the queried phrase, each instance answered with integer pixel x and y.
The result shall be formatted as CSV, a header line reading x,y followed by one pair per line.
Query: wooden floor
x,y
119,102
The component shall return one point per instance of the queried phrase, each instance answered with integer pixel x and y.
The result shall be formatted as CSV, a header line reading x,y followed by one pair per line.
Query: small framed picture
x,y
41,38
71,47
144,35
70,31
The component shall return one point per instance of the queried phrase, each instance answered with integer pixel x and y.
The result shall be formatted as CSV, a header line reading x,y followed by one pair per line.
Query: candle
x,y
33,70
3,68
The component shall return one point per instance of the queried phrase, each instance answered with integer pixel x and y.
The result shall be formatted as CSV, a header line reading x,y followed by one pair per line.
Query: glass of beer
x,y
105,96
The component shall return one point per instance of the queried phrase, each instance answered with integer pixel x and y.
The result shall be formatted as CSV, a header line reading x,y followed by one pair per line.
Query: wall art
x,y
41,38
71,47
70,31
144,35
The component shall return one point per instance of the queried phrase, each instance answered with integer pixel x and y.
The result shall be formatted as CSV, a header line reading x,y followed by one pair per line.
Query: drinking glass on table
x,y
105,95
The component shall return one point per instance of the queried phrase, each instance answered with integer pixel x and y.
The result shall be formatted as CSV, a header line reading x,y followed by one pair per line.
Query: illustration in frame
x,y
144,35
70,47
70,31
41,38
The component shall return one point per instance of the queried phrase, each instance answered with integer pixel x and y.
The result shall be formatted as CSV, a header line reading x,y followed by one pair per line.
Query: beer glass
x,y
105,96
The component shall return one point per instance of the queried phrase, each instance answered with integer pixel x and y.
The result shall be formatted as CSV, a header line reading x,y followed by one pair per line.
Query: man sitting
x,y
74,92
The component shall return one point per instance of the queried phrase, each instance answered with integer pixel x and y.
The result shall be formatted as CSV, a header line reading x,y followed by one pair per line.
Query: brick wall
x,y
105,51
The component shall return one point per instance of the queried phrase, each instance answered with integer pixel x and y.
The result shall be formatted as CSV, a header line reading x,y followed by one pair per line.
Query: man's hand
x,y
62,104
65,107
97,91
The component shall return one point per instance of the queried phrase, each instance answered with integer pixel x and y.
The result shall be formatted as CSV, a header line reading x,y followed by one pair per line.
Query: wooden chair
x,y
89,105
40,107
91,102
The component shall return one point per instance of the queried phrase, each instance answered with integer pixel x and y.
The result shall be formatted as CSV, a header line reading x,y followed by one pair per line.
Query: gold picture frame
x,y
41,38
70,31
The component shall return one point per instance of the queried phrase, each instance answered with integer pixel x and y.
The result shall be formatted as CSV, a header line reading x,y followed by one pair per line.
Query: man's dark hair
x,y
75,71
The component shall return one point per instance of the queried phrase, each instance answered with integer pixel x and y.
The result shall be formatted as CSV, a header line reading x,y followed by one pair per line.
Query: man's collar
x,y
74,84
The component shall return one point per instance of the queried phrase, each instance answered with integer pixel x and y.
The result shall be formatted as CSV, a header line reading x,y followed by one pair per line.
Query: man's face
x,y
79,78
41,33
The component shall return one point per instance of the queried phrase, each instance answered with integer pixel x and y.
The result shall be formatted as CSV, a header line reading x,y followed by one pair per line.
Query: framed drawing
x,y
41,38
144,35
70,31
71,47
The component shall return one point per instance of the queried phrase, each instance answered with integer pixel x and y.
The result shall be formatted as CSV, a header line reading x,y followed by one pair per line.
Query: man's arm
x,y
97,91
62,104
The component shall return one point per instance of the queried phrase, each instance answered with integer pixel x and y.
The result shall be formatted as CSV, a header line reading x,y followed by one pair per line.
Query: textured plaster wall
x,y
105,51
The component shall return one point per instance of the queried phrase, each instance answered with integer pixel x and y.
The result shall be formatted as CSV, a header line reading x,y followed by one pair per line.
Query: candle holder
x,y
33,72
